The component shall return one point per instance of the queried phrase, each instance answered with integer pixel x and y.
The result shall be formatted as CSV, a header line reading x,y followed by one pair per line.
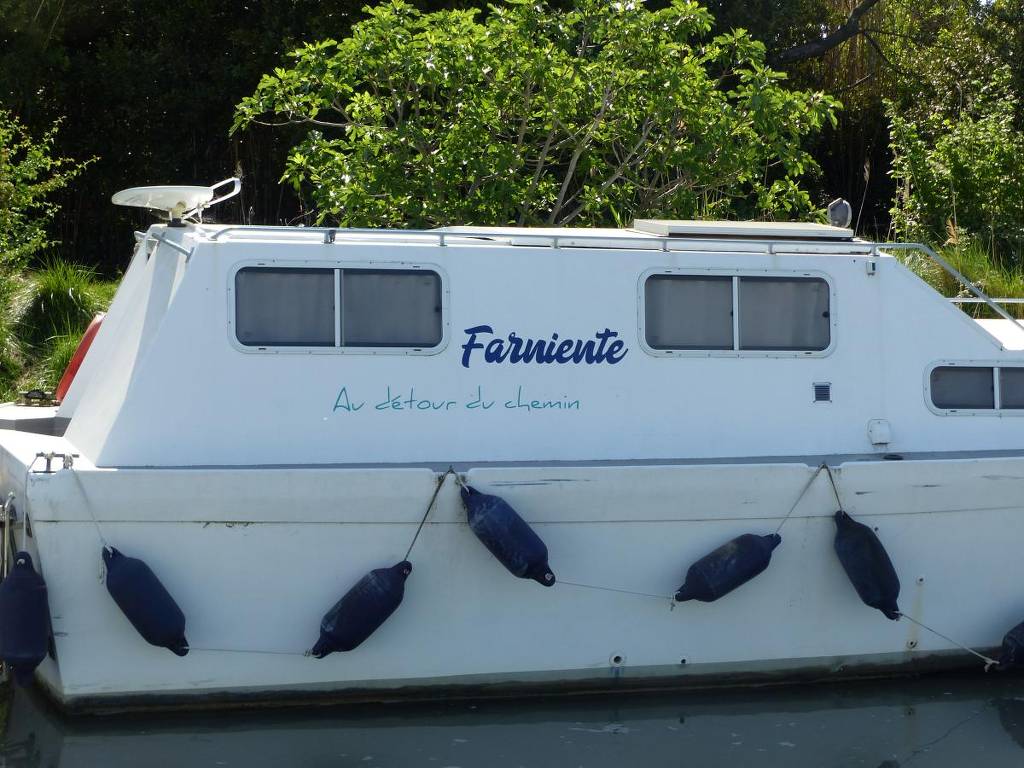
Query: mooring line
x,y
430,506
989,661
90,510
615,589
247,650
800,498
835,488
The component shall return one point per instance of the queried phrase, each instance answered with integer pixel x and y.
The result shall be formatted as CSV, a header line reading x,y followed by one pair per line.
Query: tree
x,y
958,142
589,115
29,177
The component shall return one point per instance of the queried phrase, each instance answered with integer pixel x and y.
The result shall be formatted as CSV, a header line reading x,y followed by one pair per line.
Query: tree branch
x,y
580,148
816,48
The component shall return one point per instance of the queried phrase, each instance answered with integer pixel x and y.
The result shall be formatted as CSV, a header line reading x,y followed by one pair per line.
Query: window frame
x,y
735,274
378,266
995,365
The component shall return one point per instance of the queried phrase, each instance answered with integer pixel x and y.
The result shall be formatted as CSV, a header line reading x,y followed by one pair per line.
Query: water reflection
x,y
946,722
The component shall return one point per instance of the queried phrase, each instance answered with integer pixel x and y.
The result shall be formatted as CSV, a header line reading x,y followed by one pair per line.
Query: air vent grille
x,y
822,392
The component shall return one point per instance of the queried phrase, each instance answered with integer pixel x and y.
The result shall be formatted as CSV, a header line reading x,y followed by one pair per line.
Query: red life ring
x,y
79,356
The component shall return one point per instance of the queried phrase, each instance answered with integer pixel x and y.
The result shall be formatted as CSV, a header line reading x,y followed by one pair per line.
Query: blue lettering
x,y
614,349
479,402
604,347
342,402
472,343
495,351
584,351
562,353
384,404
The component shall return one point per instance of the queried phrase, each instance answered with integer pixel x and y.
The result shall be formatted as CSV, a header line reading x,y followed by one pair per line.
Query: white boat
x,y
266,413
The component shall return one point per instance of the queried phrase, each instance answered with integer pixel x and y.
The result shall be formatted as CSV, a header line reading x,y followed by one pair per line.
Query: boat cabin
x,y
231,345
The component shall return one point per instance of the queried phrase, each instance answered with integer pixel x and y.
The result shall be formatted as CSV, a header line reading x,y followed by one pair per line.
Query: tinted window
x,y
782,313
1011,387
688,312
390,308
965,388
284,307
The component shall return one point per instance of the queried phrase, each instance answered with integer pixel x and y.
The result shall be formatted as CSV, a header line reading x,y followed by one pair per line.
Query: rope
x,y
832,480
5,545
430,506
989,662
615,589
24,530
800,498
248,650
91,511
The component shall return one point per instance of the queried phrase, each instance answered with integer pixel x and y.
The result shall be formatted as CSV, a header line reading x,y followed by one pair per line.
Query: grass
x,y
43,314
61,298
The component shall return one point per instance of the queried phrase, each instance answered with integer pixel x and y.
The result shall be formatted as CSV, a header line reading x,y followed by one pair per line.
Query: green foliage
x,y
957,143
964,174
537,116
10,345
5,704
29,176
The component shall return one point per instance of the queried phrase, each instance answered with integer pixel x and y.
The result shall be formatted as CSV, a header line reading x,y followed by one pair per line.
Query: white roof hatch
x,y
761,230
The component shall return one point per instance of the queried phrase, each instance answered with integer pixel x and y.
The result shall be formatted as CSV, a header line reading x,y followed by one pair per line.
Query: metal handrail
x,y
980,294
666,243
973,300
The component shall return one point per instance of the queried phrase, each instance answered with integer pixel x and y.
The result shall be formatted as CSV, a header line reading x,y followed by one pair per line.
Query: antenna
x,y
180,202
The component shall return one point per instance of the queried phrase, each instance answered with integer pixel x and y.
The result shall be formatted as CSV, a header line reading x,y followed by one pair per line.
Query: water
x,y
975,721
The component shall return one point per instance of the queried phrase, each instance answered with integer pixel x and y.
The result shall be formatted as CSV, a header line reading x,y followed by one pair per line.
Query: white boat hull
x,y
256,556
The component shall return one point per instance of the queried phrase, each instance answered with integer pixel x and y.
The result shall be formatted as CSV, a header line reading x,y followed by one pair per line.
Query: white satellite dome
x,y
177,201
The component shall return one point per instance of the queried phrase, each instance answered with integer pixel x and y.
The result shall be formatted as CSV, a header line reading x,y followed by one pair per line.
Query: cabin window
x,y
699,312
688,312
784,313
962,388
1011,387
972,388
314,307
284,307
390,308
